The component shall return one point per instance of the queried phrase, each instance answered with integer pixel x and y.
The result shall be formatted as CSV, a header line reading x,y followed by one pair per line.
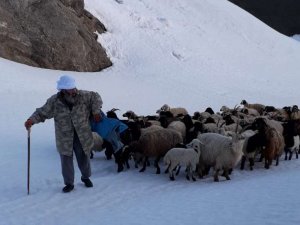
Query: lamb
x,y
259,107
188,157
179,111
154,144
220,152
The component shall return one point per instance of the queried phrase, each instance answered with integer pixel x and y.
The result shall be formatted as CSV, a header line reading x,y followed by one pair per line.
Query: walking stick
x,y
28,162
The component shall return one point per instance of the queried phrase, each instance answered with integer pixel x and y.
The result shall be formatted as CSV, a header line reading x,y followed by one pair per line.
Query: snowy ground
x,y
182,52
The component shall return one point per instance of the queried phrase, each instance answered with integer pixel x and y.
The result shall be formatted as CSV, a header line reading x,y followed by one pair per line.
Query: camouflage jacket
x,y
66,119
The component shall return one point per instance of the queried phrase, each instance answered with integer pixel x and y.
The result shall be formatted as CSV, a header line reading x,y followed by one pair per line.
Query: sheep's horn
x,y
114,109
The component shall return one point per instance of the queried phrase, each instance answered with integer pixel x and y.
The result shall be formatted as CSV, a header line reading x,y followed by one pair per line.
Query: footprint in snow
x,y
177,55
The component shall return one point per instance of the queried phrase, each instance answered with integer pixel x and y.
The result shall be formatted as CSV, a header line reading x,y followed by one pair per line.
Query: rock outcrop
x,y
56,34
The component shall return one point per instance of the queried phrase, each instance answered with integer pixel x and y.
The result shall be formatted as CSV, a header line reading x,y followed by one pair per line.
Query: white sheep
x,y
179,111
178,126
98,142
220,152
188,157
259,107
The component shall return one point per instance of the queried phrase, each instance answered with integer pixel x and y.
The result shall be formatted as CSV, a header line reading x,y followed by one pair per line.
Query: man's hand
x,y
28,124
97,118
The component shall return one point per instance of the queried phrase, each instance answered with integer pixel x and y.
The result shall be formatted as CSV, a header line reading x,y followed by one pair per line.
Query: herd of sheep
x,y
208,140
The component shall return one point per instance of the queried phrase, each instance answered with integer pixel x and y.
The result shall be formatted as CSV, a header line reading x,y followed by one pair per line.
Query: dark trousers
x,y
83,162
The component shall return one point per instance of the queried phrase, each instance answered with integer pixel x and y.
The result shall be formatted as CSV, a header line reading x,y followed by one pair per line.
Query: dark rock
x,y
56,34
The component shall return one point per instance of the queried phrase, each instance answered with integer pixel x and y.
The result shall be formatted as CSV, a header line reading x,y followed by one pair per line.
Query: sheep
x,y
269,122
291,138
112,113
252,145
219,151
98,142
294,147
154,144
130,115
179,111
295,113
178,126
250,111
188,157
273,140
259,107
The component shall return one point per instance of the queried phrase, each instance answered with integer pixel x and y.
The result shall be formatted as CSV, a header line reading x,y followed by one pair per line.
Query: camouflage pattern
x,y
66,120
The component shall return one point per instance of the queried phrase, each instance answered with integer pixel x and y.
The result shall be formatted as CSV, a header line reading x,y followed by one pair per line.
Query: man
x,y
71,110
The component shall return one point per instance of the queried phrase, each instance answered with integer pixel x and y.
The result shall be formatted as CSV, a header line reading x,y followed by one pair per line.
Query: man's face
x,y
70,92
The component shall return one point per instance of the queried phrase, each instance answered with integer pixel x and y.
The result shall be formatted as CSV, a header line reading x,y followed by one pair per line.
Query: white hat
x,y
66,82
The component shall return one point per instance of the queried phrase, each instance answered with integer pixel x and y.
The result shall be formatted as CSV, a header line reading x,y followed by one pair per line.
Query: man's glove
x,y
28,124
97,118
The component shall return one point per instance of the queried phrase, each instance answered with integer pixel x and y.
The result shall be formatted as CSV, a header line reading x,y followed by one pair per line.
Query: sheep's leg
x,y
144,164
187,173
207,168
226,174
243,162
251,162
291,155
168,167
127,164
171,171
296,154
172,178
178,170
261,157
92,155
286,153
267,163
277,160
216,176
193,169
156,165
193,178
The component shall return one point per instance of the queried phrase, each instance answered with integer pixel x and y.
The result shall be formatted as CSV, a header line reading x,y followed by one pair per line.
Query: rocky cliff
x,y
56,34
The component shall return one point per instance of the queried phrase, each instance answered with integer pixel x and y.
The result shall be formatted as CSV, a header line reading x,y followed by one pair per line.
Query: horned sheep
x,y
220,152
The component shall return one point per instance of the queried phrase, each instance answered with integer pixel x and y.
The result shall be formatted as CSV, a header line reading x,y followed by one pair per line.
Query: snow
x,y
191,53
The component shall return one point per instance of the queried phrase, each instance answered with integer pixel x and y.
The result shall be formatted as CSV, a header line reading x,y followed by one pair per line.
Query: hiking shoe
x,y
68,188
87,182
